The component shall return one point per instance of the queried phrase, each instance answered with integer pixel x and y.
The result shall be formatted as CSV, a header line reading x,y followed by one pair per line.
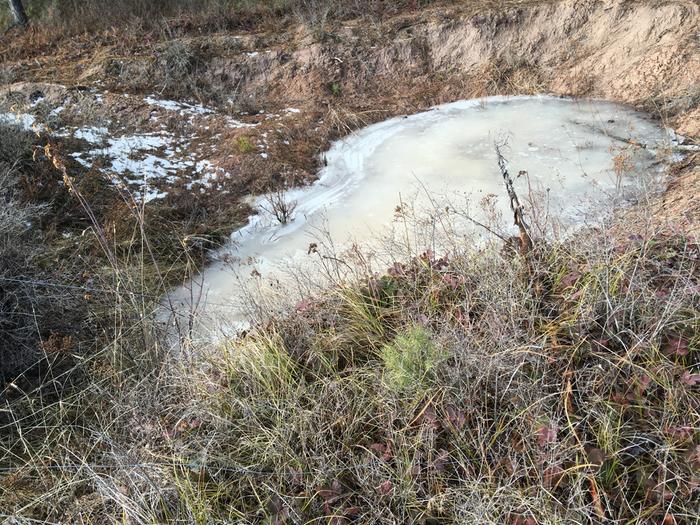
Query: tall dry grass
x,y
474,387
74,16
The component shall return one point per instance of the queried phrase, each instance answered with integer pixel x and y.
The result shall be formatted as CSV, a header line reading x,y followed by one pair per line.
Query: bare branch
x,y
279,207
515,206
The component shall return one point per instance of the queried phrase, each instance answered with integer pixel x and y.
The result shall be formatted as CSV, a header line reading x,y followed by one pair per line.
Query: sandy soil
x,y
643,53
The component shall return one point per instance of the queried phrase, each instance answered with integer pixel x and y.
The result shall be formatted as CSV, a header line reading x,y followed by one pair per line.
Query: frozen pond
x,y
579,158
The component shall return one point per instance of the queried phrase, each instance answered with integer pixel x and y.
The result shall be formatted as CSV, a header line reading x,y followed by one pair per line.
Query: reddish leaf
x,y
570,279
297,477
595,456
552,476
681,433
455,416
620,398
442,262
352,512
661,294
693,456
441,460
326,493
547,434
576,296
385,488
280,510
644,382
451,281
676,346
689,379
384,451
303,305
601,343
332,493
517,443
396,270
183,426
379,448
430,418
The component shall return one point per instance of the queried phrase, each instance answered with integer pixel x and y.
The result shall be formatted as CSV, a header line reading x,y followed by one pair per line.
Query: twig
x,y
515,206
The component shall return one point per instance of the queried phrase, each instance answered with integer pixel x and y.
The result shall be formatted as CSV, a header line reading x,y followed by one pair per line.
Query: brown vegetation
x,y
560,386
449,390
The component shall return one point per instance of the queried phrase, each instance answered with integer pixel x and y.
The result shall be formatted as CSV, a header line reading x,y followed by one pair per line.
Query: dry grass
x,y
16,221
72,16
474,388
465,389
469,389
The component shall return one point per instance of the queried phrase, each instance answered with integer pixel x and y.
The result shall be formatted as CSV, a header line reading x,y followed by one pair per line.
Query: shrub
x,y
279,206
245,145
559,391
178,62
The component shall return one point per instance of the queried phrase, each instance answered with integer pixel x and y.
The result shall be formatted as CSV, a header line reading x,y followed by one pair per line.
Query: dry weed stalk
x,y
525,239
279,206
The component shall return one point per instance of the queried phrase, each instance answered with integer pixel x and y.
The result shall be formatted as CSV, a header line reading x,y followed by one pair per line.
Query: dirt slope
x,y
644,53
640,52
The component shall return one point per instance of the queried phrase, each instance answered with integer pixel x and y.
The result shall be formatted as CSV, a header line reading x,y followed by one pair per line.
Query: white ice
x,y
423,161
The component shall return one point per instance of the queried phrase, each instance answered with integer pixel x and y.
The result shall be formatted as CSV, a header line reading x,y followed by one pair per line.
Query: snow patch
x,y
23,120
181,107
92,135
147,161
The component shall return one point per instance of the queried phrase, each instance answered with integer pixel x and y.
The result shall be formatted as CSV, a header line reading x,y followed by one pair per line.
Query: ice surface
x,y
432,161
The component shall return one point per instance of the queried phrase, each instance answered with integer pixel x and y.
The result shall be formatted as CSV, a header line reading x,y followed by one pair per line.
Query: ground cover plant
x,y
481,387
